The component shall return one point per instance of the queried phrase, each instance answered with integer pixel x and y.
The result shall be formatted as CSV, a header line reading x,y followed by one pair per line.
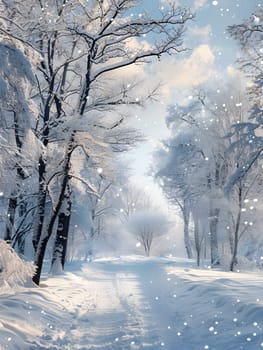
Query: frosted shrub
x,y
13,270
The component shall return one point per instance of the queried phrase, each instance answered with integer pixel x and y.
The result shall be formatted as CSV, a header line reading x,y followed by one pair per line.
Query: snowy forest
x,y
74,76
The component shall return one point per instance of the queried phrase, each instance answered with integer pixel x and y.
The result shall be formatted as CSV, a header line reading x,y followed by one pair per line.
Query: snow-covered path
x,y
133,303
111,312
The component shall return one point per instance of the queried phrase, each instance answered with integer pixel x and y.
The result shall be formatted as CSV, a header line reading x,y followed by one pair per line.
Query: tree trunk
x,y
205,246
197,241
231,242
214,215
21,245
89,252
11,212
42,245
187,242
20,175
236,233
61,241
41,249
41,202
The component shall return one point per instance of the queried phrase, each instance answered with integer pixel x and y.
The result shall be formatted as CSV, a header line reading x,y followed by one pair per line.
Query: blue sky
x,y
218,17
210,59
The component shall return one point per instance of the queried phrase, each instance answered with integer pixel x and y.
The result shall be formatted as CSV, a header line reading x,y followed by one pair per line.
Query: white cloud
x,y
171,2
135,45
232,71
202,32
132,72
199,4
187,72
195,5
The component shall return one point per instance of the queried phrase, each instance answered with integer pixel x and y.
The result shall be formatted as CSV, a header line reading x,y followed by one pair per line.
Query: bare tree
x,y
148,226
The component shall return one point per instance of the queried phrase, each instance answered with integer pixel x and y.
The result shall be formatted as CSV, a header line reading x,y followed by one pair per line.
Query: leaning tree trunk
x,y
214,215
61,240
42,194
42,244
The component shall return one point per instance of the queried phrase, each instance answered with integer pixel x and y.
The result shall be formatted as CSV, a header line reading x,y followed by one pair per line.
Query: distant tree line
x,y
210,168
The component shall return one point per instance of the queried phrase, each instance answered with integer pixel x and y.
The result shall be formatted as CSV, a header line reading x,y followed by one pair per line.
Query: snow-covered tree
x,y
171,165
181,164
197,163
249,34
148,226
81,48
18,156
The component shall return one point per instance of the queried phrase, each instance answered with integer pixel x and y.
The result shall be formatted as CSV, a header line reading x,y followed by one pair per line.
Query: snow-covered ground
x,y
136,303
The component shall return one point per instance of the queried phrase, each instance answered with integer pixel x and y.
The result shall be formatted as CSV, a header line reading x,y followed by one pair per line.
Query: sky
x,y
210,59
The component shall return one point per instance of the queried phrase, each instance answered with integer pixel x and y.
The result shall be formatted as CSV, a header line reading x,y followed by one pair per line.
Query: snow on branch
x,y
246,32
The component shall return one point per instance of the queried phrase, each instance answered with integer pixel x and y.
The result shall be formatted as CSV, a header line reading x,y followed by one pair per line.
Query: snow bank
x,y
13,270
